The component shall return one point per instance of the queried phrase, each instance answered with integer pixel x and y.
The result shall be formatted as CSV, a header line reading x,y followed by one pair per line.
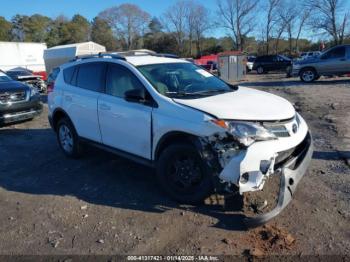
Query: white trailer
x,y
19,54
58,55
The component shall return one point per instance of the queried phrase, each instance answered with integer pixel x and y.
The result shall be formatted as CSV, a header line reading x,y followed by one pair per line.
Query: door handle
x,y
68,98
105,107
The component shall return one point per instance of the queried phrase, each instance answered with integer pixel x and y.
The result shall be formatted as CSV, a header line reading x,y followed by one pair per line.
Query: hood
x,y
243,104
12,86
309,60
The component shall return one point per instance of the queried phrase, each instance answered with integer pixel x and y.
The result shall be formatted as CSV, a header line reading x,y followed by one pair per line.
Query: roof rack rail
x,y
99,55
140,52
166,55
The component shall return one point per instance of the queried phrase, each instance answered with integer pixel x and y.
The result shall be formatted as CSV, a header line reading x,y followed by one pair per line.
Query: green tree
x,y
162,43
102,33
36,28
155,26
55,31
5,29
18,27
79,28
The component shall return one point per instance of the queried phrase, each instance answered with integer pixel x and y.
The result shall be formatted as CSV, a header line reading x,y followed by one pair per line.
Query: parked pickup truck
x,y
333,61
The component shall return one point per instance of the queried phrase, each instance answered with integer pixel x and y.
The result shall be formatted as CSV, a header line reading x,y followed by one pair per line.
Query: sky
x,y
91,8
87,8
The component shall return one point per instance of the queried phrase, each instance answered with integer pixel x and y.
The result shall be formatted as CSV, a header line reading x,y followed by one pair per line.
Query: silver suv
x,y
333,61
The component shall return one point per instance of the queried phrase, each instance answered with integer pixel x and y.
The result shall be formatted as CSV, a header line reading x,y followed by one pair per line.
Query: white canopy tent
x,y
58,55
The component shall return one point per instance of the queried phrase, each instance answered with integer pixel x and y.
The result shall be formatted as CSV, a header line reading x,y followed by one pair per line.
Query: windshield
x,y
251,59
183,80
4,78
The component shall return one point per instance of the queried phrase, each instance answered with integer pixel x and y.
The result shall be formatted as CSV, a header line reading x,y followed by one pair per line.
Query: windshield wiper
x,y
198,93
214,91
180,93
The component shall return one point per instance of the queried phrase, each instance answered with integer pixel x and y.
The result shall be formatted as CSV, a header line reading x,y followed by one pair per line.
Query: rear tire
x,y
183,174
67,138
308,75
260,70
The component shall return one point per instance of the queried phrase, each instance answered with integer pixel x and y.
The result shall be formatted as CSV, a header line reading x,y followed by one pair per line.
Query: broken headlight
x,y
33,91
246,132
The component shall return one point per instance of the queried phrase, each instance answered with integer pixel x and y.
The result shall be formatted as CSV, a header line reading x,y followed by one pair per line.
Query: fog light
x,y
264,166
244,178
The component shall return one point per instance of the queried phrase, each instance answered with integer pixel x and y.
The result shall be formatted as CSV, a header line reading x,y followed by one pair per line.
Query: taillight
x,y
50,87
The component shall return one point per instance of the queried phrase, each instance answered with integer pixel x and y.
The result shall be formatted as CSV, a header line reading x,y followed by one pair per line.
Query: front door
x,y
333,61
124,125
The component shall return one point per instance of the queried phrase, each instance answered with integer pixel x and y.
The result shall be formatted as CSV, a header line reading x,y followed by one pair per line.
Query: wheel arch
x,y
58,114
307,67
174,137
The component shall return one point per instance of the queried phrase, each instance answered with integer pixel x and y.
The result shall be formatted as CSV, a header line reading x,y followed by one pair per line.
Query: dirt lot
x,y
103,204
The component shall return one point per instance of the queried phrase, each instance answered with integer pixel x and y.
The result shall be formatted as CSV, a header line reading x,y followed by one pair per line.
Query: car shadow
x,y
333,155
32,163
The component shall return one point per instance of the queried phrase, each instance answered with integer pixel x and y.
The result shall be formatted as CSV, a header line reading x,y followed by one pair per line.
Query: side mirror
x,y
135,95
233,87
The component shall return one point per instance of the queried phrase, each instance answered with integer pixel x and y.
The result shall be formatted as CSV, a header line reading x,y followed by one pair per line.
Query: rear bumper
x,y
291,173
17,116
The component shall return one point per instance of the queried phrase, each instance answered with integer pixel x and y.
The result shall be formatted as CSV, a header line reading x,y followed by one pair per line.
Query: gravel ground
x,y
103,204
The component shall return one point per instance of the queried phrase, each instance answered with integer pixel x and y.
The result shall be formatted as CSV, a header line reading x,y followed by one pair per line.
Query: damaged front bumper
x,y
290,175
267,172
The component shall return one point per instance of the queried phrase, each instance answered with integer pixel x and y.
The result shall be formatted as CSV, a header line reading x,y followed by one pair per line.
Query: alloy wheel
x,y
308,76
66,138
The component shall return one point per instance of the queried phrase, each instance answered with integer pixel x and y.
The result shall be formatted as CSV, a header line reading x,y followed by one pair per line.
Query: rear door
x,y
269,63
85,83
124,125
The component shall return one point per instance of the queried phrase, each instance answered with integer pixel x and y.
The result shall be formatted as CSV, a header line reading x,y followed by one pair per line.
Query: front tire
x,y
184,175
308,75
67,138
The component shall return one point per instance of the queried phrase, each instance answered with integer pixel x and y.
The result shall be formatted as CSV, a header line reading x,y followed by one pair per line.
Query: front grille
x,y
278,130
12,97
299,151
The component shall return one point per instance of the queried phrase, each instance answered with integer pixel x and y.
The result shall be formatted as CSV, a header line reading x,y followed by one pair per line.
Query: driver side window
x,y
119,80
338,52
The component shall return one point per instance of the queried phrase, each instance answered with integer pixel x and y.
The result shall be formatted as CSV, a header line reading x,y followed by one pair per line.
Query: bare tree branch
x,y
236,16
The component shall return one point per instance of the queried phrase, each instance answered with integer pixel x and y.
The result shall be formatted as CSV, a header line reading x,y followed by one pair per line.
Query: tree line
x,y
253,26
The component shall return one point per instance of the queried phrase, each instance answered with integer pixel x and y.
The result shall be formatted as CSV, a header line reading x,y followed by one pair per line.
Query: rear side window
x,y
68,74
91,76
53,75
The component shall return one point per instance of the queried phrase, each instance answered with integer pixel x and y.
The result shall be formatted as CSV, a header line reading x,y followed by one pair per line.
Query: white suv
x,y
200,133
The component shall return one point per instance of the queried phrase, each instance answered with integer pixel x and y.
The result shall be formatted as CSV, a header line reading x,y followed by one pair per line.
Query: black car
x,y
18,102
26,76
266,63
